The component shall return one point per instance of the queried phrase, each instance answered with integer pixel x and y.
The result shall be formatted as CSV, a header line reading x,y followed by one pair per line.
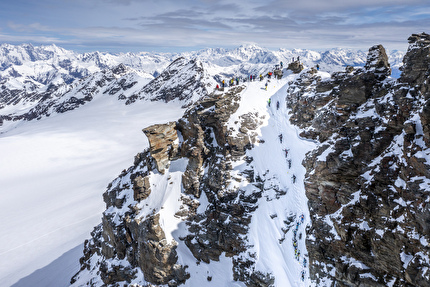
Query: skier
x,y
277,105
303,275
237,81
261,77
217,87
289,163
318,67
280,138
304,262
286,152
266,89
302,218
282,65
223,83
294,178
270,100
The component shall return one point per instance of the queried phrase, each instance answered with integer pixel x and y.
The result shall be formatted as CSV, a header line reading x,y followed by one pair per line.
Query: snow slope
x,y
275,249
53,173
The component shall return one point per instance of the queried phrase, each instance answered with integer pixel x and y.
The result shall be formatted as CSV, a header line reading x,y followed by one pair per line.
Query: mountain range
x,y
307,177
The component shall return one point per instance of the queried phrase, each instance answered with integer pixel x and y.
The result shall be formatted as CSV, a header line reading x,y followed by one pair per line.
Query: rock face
x,y
368,182
130,239
163,140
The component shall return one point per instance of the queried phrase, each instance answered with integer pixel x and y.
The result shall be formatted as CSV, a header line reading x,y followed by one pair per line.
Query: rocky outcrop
x,y
132,233
368,182
295,66
377,62
163,142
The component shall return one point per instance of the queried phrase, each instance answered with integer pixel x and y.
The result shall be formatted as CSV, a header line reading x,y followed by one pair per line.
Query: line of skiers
x,y
254,77
301,217
237,80
251,78
281,138
295,245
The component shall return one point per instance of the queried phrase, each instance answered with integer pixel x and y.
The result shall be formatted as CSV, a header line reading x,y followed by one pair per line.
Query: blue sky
x,y
176,26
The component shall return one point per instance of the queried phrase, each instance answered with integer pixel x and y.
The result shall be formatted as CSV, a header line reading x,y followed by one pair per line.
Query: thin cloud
x,y
209,23
28,28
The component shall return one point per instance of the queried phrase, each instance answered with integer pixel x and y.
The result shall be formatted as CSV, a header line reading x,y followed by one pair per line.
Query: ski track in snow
x,y
270,159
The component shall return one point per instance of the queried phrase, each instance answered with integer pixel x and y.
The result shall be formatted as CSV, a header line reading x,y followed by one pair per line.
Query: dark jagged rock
x,y
377,62
366,183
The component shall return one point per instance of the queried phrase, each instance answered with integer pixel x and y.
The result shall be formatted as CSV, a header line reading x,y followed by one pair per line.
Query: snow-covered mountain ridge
x,y
33,78
44,65
316,179
325,184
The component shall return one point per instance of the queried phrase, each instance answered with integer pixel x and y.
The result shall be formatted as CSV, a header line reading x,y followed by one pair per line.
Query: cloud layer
x,y
165,25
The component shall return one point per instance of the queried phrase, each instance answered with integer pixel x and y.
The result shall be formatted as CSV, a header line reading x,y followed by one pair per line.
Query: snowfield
x,y
53,173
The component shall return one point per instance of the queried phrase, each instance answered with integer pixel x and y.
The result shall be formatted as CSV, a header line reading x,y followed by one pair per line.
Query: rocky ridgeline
x,y
368,182
182,80
129,241
63,98
193,83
